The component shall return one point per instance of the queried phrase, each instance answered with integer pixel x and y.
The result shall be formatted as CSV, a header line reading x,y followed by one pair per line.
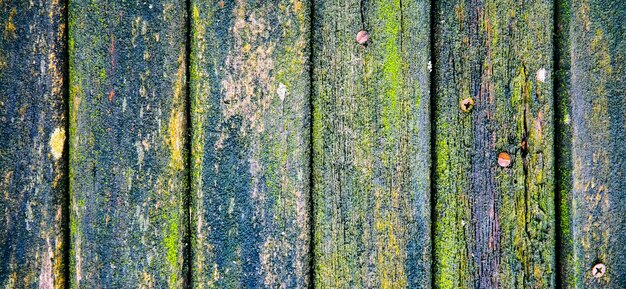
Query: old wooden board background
x,y
313,144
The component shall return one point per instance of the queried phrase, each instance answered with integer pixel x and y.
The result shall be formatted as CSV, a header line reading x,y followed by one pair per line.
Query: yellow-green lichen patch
x,y
9,26
177,127
171,244
57,142
3,61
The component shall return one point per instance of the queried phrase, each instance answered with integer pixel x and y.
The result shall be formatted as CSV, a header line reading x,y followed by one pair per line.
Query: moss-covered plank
x,y
563,146
494,160
33,150
371,144
593,211
127,143
249,86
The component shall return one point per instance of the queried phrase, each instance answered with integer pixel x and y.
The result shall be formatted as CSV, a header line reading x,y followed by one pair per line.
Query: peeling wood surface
x,y
371,145
127,143
595,210
33,167
250,144
494,226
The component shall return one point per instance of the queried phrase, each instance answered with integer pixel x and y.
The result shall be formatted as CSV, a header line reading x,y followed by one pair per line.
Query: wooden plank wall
x,y
317,144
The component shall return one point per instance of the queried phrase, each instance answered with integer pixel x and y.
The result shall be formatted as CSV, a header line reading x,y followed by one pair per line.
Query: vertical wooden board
x,y
563,146
33,149
597,210
371,144
250,144
494,225
127,144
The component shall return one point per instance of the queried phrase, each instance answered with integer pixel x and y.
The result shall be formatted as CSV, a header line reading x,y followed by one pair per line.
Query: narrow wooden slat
x,y
595,208
250,144
33,164
563,146
127,147
371,144
494,224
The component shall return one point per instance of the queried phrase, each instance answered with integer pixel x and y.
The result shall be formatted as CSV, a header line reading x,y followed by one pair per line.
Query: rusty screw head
x,y
362,37
504,159
467,104
598,270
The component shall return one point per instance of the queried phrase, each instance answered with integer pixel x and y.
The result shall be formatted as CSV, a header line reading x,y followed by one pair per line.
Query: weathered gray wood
x,y
127,143
33,150
494,225
593,213
371,144
250,144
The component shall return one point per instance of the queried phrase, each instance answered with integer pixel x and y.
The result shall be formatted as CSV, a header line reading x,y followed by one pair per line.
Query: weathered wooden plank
x,y
127,147
33,150
250,144
563,146
594,211
371,139
494,213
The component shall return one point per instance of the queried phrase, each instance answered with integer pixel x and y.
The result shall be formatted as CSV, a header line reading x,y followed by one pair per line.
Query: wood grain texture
x,y
250,144
371,139
494,226
596,96
33,163
127,143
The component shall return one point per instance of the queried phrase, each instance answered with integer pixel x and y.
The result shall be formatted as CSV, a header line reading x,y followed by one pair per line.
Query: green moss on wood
x,y
127,124
371,138
494,226
591,102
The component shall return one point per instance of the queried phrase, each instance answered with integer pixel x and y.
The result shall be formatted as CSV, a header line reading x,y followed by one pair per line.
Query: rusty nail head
x,y
467,104
504,159
598,270
362,37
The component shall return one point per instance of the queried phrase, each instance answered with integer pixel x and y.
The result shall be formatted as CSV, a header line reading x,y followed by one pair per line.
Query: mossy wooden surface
x,y
127,143
250,144
310,154
596,96
33,148
371,145
494,226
